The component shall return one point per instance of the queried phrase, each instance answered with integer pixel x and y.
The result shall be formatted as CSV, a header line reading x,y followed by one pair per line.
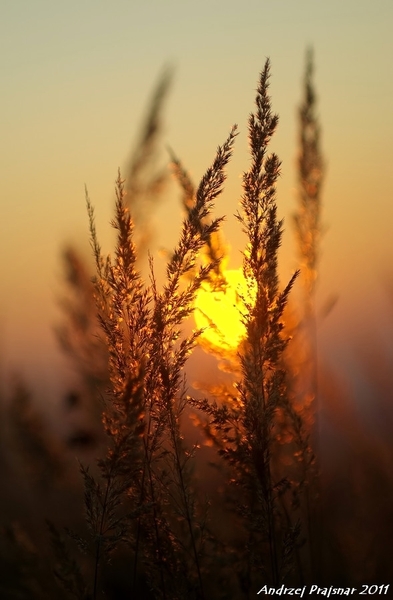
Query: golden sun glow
x,y
219,308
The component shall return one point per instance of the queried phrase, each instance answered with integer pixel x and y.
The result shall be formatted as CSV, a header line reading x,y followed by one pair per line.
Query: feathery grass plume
x,y
308,231
215,248
214,252
262,388
146,466
244,430
302,361
144,182
171,307
123,311
80,335
307,219
308,228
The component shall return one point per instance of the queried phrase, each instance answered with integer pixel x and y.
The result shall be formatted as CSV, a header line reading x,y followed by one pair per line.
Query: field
x,y
262,475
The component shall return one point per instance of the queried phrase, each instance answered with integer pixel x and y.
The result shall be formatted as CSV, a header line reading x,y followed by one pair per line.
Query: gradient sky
x,y
76,77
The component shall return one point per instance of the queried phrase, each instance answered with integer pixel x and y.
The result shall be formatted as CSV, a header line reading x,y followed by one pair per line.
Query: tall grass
x,y
140,501
302,362
146,461
145,529
147,396
244,431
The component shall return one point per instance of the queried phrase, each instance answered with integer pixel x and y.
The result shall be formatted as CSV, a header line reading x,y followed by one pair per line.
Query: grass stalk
x,y
308,229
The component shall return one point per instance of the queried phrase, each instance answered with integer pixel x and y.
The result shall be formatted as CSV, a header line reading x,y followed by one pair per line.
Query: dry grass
x,y
144,529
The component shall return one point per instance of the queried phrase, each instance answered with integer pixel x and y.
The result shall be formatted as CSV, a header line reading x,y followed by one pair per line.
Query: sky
x,y
76,79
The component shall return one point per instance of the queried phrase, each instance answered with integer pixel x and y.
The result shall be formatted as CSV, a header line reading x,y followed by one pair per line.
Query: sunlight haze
x,y
76,78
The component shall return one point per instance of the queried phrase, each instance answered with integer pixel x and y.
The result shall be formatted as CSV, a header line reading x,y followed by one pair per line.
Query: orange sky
x,y
76,79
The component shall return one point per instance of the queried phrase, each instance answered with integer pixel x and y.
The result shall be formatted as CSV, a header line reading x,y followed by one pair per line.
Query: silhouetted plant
x,y
146,462
79,334
244,428
147,533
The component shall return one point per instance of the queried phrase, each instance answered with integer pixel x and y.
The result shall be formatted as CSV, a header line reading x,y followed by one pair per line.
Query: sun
x,y
220,306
